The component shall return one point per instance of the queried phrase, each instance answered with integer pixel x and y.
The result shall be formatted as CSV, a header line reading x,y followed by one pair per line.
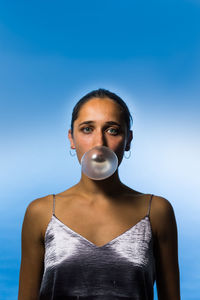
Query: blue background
x,y
51,54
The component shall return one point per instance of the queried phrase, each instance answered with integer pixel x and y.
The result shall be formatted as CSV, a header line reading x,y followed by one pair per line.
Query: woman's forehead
x,y
100,107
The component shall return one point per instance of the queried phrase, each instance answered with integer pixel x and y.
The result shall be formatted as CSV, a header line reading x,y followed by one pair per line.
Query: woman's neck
x,y
105,188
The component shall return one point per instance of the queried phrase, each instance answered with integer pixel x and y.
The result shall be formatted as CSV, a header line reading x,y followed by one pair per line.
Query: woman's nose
x,y
100,139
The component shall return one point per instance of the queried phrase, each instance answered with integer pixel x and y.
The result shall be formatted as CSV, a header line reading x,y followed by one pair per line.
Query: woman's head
x,y
103,113
102,93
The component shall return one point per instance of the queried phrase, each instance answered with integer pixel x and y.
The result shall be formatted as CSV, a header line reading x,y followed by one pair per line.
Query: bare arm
x,y
31,269
166,251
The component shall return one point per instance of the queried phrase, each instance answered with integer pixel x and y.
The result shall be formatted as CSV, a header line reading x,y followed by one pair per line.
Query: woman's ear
x,y
71,139
130,137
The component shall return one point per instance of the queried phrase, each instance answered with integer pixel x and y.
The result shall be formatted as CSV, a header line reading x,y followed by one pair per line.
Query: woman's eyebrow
x,y
108,122
113,123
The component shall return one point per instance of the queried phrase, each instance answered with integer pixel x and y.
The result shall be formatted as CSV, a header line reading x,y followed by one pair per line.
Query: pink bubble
x,y
99,163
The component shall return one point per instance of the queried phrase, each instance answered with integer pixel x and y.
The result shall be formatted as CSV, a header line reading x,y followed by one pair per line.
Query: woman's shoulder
x,y
45,204
162,214
35,218
41,208
161,206
39,212
39,205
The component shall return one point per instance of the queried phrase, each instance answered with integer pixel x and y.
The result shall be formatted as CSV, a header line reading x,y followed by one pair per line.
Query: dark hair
x,y
102,93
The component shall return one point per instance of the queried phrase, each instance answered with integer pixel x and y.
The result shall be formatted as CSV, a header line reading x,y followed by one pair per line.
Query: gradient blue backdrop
x,y
51,54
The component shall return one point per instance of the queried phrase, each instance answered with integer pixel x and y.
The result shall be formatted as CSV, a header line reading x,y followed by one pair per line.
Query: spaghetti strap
x,y
54,200
149,205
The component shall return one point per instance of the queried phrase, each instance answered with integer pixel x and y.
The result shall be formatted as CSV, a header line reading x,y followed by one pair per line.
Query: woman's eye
x,y
85,129
114,131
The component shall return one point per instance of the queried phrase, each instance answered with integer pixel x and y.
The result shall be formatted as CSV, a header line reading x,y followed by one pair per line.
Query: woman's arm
x,y
32,257
166,252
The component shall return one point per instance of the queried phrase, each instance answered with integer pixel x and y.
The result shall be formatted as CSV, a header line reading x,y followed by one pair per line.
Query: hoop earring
x,y
128,155
71,153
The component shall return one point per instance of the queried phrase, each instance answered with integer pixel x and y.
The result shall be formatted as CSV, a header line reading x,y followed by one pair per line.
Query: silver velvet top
x,y
75,268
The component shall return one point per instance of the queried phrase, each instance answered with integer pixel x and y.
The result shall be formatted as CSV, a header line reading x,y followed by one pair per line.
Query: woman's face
x,y
100,123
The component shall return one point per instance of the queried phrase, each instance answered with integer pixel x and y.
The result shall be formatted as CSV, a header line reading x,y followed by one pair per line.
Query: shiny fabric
x,y
75,268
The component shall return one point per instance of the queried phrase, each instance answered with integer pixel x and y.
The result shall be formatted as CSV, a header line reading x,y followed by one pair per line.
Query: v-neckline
x,y
91,243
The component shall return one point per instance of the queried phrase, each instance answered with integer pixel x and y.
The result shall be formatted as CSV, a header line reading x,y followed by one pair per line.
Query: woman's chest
x,y
98,224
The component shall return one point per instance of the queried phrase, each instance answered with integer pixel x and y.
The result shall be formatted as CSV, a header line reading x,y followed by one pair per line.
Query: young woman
x,y
99,239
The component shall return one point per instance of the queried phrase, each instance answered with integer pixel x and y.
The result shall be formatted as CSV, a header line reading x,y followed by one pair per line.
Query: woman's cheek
x,y
119,151
83,145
